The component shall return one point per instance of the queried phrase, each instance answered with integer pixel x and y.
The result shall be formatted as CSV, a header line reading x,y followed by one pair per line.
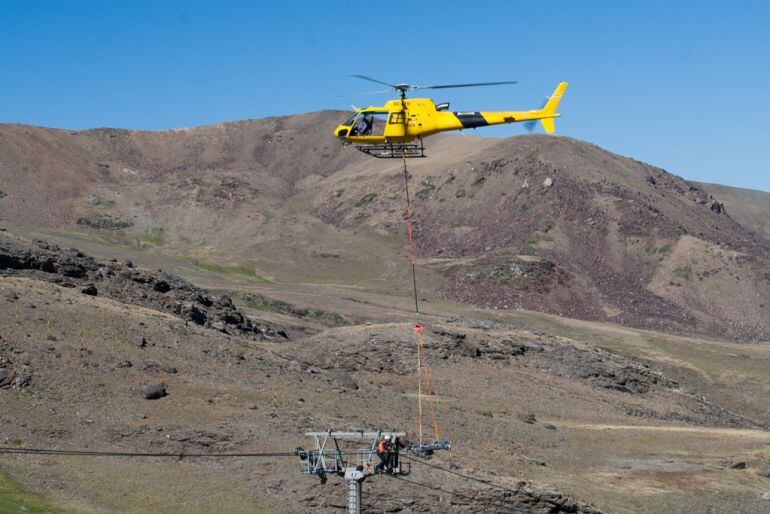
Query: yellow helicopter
x,y
390,131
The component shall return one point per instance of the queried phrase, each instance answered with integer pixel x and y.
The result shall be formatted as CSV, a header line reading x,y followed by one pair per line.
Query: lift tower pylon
x,y
353,455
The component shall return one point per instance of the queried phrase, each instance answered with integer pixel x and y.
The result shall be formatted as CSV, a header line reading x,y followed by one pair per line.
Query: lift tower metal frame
x,y
353,455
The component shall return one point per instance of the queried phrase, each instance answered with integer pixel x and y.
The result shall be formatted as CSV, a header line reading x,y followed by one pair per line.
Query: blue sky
x,y
682,85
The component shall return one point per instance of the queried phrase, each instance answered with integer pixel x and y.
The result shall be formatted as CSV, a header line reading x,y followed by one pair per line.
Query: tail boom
x,y
546,115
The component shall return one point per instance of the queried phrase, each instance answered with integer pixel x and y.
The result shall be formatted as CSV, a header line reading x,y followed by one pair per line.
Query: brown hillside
x,y
534,222
545,414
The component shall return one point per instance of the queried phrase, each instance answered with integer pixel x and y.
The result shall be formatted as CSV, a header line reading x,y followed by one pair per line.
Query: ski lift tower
x,y
353,455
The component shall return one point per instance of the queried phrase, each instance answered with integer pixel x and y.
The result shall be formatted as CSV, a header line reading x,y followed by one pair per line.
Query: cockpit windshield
x,y
350,120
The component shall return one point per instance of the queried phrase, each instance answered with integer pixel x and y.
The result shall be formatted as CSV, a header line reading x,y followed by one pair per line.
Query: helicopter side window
x,y
396,118
369,124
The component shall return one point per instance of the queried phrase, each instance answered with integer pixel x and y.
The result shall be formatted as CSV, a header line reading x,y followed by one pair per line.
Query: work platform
x,y
353,455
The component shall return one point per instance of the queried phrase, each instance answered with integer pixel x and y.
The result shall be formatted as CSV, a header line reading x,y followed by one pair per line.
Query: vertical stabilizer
x,y
550,108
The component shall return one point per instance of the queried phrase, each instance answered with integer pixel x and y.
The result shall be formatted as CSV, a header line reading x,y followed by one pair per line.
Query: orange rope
x,y
419,393
421,349
422,361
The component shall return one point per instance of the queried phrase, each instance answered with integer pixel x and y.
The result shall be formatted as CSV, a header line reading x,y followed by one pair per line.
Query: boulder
x,y
549,426
717,207
72,270
527,418
140,342
343,379
231,182
6,377
738,465
90,290
22,381
192,313
153,391
161,286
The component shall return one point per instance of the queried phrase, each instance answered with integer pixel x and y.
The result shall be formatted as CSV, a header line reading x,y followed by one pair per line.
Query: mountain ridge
x,y
534,222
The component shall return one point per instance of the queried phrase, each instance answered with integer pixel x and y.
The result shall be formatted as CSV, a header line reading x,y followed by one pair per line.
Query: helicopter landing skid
x,y
394,150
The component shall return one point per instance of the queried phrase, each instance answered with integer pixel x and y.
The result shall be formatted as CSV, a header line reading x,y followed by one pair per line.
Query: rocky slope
x,y
533,222
102,355
118,338
123,282
750,207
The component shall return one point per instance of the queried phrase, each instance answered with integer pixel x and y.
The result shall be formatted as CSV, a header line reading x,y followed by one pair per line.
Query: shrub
x,y
367,198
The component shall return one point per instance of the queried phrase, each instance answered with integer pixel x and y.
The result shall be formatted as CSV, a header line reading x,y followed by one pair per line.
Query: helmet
x,y
387,438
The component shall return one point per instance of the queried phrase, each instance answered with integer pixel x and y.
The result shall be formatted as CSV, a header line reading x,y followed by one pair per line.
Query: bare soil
x,y
643,421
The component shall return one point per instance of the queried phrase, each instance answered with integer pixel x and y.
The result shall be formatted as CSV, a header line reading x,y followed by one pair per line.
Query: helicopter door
x,y
396,125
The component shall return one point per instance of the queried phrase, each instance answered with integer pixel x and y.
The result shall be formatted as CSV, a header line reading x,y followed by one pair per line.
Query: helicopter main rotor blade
x,y
364,93
466,85
374,80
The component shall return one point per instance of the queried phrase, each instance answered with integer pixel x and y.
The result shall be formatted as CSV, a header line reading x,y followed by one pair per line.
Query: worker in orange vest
x,y
383,452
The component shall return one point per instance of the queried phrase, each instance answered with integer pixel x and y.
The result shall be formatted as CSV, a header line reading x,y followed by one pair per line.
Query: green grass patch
x,y
652,250
236,269
683,272
366,199
154,236
14,499
427,189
